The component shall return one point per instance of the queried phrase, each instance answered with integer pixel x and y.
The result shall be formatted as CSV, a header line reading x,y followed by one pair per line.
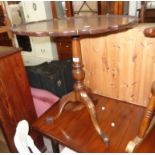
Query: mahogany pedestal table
x,y
77,27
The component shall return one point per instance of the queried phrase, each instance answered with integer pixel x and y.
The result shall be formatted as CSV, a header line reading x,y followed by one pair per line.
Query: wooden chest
x,y
15,98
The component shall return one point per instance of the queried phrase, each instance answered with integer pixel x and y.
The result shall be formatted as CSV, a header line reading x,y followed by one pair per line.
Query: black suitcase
x,y
67,74
55,76
33,77
51,78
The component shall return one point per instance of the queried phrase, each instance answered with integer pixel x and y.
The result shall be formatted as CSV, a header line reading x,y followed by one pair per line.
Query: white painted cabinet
x,y
43,48
34,11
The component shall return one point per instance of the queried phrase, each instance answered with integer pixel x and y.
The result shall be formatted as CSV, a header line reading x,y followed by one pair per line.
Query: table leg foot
x,y
55,146
89,92
91,108
133,144
84,98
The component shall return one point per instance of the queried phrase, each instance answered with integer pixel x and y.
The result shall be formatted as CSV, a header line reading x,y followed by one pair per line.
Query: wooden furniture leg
x,y
7,23
145,124
91,108
80,92
148,115
55,146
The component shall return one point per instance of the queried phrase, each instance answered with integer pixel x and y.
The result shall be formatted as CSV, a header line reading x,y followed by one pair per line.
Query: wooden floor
x,y
3,145
74,128
148,144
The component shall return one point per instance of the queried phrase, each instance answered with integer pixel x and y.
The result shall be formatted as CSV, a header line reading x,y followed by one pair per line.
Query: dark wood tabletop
x,y
75,130
149,32
76,26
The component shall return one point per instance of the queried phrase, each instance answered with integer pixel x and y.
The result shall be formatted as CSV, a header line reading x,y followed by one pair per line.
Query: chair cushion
x,y
43,100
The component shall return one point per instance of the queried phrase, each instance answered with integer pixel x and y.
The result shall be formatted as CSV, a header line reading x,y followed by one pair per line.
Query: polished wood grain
x,y
149,32
142,11
69,8
5,51
54,10
119,7
148,144
64,47
15,98
74,128
80,93
102,7
6,25
148,115
149,15
110,7
76,26
146,13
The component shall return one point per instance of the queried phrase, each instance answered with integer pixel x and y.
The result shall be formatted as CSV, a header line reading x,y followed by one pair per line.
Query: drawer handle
x,y
67,46
27,62
59,83
43,51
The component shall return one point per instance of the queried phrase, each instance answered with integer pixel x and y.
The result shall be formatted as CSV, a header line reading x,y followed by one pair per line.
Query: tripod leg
x,y
148,115
89,92
63,102
91,108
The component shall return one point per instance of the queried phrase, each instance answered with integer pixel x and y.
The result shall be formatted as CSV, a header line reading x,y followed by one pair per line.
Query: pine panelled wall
x,y
120,65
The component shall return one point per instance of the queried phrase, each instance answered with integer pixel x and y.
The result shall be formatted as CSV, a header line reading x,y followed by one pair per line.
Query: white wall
x,y
132,8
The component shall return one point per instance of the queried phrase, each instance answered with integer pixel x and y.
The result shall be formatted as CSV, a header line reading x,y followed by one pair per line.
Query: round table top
x,y
76,26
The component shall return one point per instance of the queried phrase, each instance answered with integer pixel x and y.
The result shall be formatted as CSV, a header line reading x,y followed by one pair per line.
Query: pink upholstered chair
x,y
43,100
